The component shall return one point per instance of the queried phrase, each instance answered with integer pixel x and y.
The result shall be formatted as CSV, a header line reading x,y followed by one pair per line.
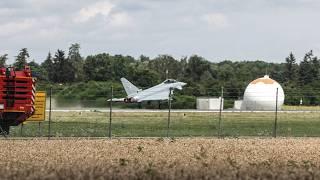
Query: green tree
x,y
315,70
98,67
76,61
309,69
196,66
120,66
37,70
47,65
62,67
3,60
165,66
291,68
144,78
143,58
21,59
103,67
202,76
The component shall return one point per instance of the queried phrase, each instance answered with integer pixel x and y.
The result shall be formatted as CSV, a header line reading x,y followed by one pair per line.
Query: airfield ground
x,y
161,158
182,124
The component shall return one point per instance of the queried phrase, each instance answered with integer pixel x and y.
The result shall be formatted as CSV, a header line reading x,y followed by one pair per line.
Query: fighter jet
x,y
155,93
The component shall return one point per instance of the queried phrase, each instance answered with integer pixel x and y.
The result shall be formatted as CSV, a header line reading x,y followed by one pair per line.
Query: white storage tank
x,y
209,103
261,94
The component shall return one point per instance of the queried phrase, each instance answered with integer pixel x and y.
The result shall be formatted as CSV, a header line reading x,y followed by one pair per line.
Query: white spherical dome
x,y
261,94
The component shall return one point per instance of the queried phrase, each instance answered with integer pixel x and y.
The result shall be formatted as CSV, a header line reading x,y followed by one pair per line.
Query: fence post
x,y
110,115
39,129
169,111
50,107
276,116
220,112
21,130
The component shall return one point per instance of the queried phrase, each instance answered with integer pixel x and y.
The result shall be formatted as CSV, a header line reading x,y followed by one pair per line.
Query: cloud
x,y
215,20
246,29
106,11
120,19
12,28
100,8
6,11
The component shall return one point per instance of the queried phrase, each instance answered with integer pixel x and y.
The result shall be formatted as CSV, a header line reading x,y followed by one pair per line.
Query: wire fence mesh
x,y
89,116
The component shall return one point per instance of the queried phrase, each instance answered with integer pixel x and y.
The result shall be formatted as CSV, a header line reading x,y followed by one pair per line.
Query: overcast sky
x,y
215,29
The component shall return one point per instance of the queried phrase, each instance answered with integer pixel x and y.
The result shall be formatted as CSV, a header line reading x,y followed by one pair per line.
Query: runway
x,y
175,111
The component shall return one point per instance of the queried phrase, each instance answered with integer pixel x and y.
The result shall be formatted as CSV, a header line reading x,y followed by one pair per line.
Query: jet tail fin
x,y
129,87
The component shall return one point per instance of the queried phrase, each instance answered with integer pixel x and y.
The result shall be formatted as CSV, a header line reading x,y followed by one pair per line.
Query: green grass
x,y
95,124
300,108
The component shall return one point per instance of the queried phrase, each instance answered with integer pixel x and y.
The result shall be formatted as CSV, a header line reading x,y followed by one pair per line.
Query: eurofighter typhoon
x,y
155,93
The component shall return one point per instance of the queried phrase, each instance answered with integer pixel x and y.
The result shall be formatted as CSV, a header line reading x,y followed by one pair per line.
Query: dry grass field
x,y
193,158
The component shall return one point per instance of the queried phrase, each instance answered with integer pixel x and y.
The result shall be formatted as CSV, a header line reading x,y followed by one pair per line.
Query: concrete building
x,y
209,103
237,104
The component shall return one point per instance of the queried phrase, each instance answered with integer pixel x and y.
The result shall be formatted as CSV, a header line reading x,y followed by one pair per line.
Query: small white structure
x,y
261,94
209,103
237,104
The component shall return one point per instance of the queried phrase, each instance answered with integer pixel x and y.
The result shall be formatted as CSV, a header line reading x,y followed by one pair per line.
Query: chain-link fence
x,y
223,115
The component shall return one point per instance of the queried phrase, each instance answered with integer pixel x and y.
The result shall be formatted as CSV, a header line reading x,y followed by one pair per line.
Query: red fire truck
x,y
17,97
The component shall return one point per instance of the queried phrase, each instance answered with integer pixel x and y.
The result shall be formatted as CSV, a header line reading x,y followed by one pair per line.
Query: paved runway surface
x,y
173,110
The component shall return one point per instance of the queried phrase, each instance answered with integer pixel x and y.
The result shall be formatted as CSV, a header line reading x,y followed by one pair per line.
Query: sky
x,y
214,29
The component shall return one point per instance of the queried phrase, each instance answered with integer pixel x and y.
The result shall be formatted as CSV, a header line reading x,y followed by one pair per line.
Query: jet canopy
x,y
170,81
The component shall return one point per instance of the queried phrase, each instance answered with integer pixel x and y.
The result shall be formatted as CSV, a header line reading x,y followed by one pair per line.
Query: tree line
x,y
204,78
